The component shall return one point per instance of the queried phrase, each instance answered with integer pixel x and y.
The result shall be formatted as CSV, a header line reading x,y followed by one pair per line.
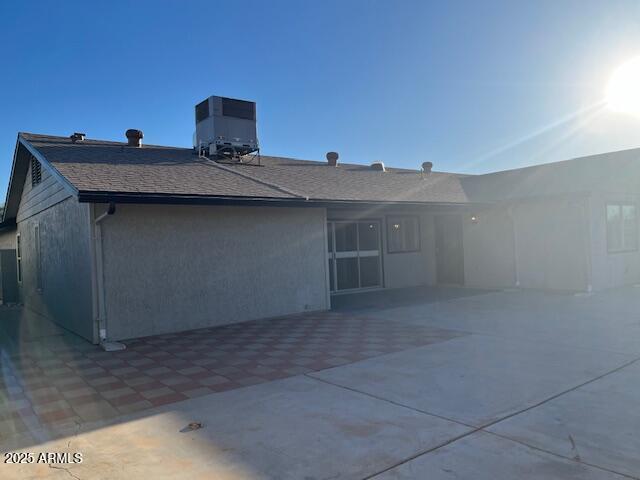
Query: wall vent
x,y
36,172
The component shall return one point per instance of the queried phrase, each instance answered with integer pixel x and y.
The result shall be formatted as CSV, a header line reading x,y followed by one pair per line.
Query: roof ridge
x,y
566,161
257,180
89,141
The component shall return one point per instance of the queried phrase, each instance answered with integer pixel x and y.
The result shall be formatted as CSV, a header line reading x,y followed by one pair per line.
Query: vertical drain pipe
x,y
102,307
588,248
514,234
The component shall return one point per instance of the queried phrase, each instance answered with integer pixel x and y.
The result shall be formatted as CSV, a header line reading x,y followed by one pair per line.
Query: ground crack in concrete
x,y
55,467
482,428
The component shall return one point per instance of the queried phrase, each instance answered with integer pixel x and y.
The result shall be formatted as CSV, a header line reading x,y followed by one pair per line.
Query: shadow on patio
x,y
399,297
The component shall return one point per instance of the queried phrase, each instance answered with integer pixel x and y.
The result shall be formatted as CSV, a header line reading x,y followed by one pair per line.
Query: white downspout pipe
x,y
514,234
588,246
102,306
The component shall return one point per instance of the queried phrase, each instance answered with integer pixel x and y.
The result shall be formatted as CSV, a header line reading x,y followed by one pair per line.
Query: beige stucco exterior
x,y
489,248
555,243
534,243
161,268
172,268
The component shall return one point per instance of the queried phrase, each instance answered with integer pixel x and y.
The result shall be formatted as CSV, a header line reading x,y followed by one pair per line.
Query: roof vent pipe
x,y
426,167
332,159
77,137
134,137
378,166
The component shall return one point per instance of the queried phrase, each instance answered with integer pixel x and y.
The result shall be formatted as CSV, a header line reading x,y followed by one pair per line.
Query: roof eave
x,y
51,169
186,199
10,185
7,225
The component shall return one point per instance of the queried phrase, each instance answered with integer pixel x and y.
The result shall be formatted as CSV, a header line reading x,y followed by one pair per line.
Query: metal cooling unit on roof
x,y
225,127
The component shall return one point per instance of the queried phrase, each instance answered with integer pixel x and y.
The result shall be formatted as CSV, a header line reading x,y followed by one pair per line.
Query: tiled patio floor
x,y
63,379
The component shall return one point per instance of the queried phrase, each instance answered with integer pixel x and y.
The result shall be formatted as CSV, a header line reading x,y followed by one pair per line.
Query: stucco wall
x,y
488,248
610,270
409,269
65,296
172,268
552,244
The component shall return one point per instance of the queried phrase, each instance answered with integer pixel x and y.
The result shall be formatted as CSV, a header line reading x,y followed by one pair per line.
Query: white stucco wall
x,y
610,270
173,268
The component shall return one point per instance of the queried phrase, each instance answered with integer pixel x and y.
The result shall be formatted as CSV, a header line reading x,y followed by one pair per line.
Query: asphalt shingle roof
x,y
606,172
97,166
101,166
104,166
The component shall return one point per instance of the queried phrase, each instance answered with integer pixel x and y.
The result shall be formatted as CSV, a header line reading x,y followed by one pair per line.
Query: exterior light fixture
x,y
474,219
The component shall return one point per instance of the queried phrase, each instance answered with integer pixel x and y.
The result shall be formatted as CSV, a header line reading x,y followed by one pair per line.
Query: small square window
x,y
403,233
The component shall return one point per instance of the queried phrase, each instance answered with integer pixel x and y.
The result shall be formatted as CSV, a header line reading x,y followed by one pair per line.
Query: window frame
x,y
389,221
623,248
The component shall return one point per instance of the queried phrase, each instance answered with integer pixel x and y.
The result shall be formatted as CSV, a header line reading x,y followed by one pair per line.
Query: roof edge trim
x,y
43,161
185,199
10,184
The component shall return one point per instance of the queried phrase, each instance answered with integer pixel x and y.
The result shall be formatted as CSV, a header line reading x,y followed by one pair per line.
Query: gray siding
x,y
610,270
36,199
65,256
172,268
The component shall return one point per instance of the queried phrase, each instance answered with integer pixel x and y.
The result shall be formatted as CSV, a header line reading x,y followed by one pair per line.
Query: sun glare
x,y
623,89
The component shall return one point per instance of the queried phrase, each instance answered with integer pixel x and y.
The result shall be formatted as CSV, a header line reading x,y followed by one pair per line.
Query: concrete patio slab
x,y
474,379
607,321
597,423
297,428
398,297
476,360
482,456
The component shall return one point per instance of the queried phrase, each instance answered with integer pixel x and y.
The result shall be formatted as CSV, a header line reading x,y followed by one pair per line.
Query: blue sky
x,y
471,86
